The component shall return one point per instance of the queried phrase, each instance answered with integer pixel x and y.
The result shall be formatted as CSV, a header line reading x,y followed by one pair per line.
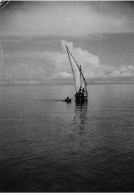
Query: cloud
x,y
123,71
36,65
92,66
53,64
71,19
82,55
24,72
65,75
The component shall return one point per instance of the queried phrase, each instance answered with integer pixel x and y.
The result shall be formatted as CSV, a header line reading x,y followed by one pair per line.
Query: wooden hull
x,y
80,96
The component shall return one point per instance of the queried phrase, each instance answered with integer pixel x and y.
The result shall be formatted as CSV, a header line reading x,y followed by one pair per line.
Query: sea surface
x,y
47,145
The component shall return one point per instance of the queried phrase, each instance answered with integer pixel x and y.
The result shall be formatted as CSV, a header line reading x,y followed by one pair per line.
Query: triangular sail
x,y
79,80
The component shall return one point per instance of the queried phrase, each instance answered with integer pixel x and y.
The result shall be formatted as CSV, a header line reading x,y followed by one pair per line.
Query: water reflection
x,y
80,118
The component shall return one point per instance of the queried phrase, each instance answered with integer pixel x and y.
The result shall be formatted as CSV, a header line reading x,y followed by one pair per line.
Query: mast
x,y
80,77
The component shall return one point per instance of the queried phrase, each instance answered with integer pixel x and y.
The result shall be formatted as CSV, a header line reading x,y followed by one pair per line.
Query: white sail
x,y
79,80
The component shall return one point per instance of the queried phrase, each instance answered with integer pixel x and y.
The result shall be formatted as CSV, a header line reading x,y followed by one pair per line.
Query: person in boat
x,y
67,98
83,90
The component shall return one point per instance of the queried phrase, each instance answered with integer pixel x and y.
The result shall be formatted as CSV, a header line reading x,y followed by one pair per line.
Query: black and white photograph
x,y
66,96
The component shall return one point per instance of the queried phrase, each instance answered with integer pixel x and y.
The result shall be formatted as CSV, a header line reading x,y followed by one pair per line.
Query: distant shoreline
x,y
52,84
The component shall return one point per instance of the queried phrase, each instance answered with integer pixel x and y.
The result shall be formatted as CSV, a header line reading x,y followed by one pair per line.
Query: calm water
x,y
48,145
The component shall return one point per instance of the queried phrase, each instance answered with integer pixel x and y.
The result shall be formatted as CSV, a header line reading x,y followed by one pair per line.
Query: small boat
x,y
79,79
67,100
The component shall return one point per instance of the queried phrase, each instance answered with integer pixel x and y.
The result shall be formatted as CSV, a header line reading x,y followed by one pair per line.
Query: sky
x,y
99,34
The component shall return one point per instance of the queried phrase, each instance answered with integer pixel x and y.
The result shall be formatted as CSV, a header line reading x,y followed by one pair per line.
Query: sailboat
x,y
79,80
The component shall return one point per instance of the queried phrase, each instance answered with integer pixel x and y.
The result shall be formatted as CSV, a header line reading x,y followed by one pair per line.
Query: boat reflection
x,y
80,118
